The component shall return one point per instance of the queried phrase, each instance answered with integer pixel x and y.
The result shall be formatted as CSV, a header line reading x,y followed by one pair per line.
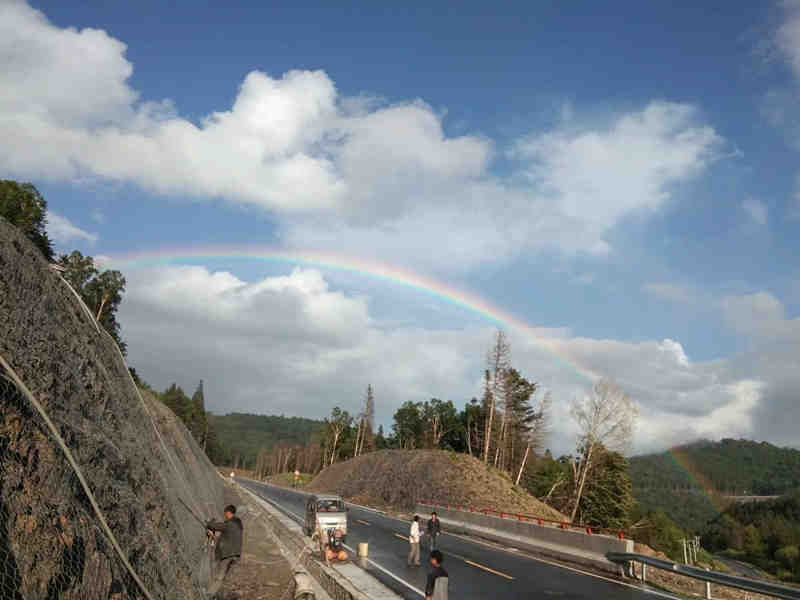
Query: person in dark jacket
x,y
228,548
434,529
438,579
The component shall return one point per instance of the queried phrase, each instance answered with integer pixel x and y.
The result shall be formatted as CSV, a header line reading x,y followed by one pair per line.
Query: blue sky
x,y
624,177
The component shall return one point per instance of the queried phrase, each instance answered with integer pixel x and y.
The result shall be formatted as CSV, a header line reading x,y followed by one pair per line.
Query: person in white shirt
x,y
413,539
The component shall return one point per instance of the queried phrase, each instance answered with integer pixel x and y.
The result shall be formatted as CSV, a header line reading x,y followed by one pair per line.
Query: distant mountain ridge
x,y
692,483
243,435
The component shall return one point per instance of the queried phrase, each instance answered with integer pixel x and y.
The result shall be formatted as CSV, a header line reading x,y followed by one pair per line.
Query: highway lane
x,y
477,571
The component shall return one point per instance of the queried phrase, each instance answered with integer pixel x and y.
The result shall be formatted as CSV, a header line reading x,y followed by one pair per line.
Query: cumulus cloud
x,y
572,187
286,144
362,172
600,175
761,316
62,230
292,344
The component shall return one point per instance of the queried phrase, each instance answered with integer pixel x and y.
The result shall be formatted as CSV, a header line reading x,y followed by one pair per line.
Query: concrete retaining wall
x,y
548,540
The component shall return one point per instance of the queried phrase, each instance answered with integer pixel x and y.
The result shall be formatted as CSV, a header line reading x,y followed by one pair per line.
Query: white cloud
x,y
761,316
62,230
362,172
756,210
291,344
600,175
286,144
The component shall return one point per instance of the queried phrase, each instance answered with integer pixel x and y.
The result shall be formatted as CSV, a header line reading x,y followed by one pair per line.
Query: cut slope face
x,y
141,465
400,478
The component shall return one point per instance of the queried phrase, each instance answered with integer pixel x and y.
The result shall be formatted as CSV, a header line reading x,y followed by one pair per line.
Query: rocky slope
x,y
51,543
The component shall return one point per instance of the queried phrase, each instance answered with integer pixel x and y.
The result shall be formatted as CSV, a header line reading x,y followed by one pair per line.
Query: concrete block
x,y
574,546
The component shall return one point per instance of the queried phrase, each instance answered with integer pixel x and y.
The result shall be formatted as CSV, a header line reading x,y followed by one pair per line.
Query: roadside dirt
x,y
263,573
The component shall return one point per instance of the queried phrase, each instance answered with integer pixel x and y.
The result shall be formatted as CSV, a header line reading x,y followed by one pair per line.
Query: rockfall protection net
x,y
137,532
54,547
127,506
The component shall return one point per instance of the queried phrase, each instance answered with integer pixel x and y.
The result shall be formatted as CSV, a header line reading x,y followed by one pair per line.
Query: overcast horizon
x,y
623,180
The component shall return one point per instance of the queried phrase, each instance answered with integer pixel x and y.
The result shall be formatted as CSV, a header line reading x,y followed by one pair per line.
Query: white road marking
x,y
374,564
390,574
573,569
485,568
541,560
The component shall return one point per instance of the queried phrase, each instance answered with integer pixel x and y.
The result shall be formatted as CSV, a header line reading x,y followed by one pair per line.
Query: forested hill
x,y
244,435
764,533
682,481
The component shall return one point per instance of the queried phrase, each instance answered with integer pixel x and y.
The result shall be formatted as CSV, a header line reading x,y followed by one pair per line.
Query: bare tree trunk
x,y
555,485
358,438
583,470
363,435
488,432
469,437
335,443
100,309
522,466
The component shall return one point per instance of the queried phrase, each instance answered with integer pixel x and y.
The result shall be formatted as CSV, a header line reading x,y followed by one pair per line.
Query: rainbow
x,y
391,274
687,465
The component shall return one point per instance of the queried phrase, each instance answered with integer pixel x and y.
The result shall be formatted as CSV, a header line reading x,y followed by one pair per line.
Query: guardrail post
x,y
708,589
644,572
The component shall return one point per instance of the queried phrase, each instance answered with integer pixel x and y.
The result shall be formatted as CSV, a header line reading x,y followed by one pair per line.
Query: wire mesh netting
x,y
102,490
50,543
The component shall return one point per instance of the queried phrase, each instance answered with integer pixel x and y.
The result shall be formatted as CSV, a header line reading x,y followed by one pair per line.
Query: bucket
x,y
362,548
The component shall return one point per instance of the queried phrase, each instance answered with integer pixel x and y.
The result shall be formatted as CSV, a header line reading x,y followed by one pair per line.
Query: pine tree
x,y
199,417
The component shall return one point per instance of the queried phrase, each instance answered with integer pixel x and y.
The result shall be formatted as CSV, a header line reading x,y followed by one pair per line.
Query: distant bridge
x,y
743,499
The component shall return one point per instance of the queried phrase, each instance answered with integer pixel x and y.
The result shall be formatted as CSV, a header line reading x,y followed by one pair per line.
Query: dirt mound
x,y
400,478
52,544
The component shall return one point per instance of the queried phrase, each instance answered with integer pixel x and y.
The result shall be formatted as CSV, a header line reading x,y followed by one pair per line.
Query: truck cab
x,y
326,511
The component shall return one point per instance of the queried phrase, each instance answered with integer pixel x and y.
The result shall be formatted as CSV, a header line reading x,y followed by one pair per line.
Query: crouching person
x,y
436,586
228,548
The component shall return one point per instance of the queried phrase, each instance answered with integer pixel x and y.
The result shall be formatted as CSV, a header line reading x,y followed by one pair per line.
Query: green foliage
x,y
194,416
766,534
244,435
658,531
408,426
101,290
23,206
729,467
607,499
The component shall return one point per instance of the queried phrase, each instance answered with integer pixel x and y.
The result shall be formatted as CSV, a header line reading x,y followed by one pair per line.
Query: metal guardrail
x,y
758,586
618,533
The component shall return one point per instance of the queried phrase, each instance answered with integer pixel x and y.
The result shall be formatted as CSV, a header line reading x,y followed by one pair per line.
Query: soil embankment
x,y
400,478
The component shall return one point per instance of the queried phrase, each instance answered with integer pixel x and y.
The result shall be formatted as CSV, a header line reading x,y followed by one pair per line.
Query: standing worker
x,y
413,540
228,548
438,580
434,529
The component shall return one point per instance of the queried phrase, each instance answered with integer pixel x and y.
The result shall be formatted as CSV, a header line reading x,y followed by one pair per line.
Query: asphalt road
x,y
477,571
